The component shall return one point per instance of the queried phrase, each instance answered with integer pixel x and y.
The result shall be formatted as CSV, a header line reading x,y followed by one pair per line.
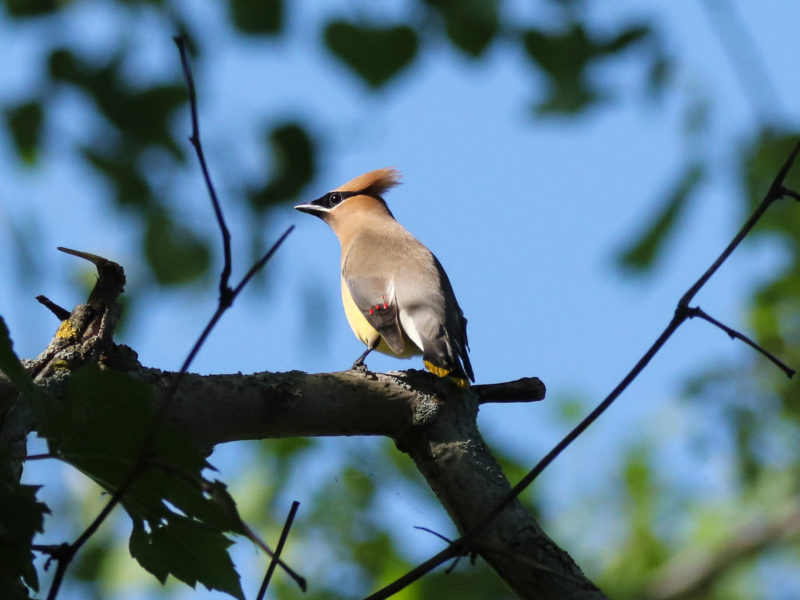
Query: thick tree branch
x,y
428,417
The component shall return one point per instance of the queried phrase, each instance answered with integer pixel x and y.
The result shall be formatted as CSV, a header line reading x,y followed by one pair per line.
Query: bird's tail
x,y
458,378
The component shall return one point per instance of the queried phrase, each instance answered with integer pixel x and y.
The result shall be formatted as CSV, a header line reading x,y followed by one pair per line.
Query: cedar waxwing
x,y
397,297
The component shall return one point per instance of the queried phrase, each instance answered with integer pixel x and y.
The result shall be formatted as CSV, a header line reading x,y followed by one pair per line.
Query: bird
x,y
397,297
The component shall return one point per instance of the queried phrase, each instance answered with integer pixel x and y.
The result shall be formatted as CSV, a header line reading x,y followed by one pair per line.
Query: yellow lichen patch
x,y
442,372
67,331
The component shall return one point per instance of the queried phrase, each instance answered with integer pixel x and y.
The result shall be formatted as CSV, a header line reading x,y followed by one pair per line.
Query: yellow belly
x,y
367,333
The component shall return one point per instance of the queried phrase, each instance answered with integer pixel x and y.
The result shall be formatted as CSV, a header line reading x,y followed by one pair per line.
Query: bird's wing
x,y
374,295
431,317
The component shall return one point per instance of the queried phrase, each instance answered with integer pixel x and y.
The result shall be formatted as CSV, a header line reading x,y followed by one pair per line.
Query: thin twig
x,y
696,311
682,312
452,567
791,193
278,549
44,456
457,548
225,295
221,308
260,264
62,314
776,191
432,532
51,549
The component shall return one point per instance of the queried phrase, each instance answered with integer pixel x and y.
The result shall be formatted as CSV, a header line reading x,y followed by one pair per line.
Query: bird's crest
x,y
373,183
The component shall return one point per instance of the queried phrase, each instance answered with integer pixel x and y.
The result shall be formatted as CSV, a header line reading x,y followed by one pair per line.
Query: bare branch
x,y
432,532
225,296
526,389
278,549
222,307
29,457
775,192
60,313
261,262
733,334
790,193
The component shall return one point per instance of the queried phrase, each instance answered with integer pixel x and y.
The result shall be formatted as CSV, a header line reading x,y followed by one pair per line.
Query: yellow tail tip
x,y
442,372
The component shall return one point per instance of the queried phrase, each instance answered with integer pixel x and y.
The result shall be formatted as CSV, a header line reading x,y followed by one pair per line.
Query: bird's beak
x,y
313,208
309,208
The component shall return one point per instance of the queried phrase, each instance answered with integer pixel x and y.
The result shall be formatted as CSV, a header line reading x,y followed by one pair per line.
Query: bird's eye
x,y
335,198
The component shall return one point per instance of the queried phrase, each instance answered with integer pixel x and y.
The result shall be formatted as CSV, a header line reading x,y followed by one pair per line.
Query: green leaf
x,y
659,73
31,8
471,25
257,17
564,58
645,551
626,38
130,186
9,363
293,152
142,115
640,255
63,65
100,424
13,369
103,425
21,516
776,302
376,54
104,420
762,160
187,550
698,113
176,254
25,123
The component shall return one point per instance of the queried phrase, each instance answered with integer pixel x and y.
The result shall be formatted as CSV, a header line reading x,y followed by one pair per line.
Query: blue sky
x,y
524,214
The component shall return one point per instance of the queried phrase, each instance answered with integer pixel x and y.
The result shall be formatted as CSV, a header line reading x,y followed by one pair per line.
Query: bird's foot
x,y
359,366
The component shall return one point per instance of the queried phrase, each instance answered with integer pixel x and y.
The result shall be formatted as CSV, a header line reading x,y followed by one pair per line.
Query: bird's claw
x,y
360,367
